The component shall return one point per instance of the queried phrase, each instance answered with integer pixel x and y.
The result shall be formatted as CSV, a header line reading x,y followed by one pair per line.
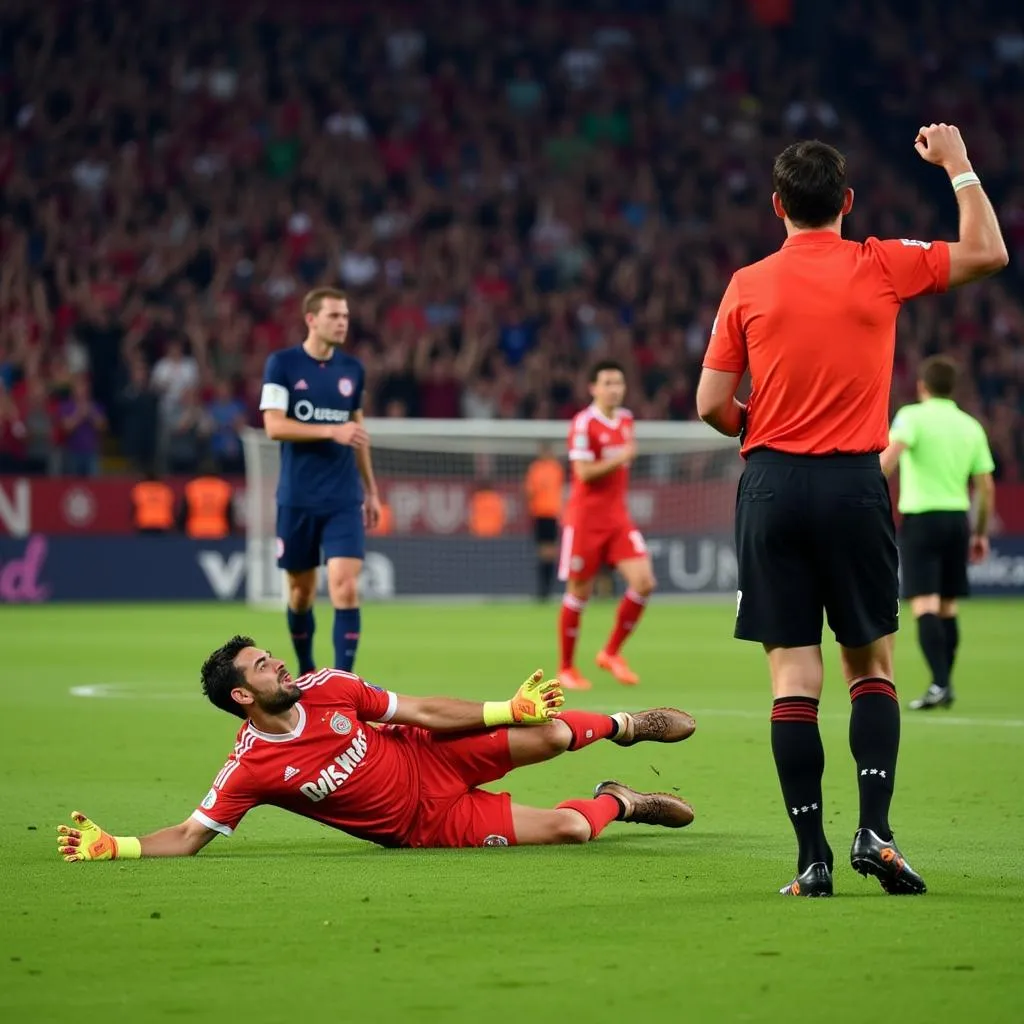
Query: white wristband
x,y
965,180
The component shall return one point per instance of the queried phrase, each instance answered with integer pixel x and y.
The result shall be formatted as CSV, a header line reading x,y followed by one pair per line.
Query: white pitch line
x,y
937,717
108,691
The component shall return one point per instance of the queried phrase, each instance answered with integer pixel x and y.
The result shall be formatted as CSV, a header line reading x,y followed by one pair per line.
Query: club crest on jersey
x,y
346,387
495,840
340,724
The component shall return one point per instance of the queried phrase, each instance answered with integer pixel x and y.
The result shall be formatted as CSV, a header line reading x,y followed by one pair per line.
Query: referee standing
x,y
939,448
815,325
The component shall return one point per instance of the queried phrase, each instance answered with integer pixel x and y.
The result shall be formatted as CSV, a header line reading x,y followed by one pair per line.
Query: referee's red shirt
x,y
815,323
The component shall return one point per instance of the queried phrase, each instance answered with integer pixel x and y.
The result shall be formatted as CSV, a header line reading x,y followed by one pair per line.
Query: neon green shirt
x,y
945,447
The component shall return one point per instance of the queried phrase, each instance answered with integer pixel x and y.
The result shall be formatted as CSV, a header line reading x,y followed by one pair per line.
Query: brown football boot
x,y
647,808
657,725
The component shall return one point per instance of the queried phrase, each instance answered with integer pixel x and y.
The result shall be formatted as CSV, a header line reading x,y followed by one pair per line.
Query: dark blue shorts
x,y
306,539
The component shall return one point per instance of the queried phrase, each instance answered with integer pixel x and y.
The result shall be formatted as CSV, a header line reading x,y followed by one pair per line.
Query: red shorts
x,y
586,548
453,811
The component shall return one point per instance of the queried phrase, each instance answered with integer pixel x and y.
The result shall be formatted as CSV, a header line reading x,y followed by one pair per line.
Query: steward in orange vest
x,y
152,506
207,512
486,512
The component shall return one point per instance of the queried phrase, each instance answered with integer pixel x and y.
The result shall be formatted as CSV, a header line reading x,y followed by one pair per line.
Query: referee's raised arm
x,y
815,326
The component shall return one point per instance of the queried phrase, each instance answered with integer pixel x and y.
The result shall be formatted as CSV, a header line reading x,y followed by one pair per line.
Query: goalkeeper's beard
x,y
282,700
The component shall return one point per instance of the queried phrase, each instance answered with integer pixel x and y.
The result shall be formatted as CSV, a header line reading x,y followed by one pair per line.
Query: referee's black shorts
x,y
545,530
933,554
815,536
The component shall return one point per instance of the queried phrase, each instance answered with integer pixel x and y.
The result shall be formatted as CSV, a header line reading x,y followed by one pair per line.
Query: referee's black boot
x,y
813,882
871,856
934,697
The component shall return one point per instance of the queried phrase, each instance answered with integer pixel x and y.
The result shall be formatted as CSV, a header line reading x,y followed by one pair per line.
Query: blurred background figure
x,y
545,486
82,423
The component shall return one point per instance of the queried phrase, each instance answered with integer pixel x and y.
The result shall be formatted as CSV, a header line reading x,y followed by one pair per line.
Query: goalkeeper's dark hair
x,y
938,375
810,178
221,675
603,365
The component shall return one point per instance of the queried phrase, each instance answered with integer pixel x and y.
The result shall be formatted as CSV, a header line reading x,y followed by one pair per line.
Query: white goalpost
x,y
682,496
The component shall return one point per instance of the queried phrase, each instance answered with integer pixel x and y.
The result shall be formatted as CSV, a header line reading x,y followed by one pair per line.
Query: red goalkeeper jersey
x,y
601,502
333,767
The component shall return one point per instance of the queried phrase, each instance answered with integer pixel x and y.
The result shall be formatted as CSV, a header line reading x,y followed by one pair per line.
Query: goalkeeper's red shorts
x,y
452,811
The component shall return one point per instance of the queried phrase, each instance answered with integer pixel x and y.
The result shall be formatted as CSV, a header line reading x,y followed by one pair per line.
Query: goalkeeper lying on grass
x,y
398,771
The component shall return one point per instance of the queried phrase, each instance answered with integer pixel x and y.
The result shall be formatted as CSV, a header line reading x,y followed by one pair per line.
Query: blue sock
x,y
301,626
346,637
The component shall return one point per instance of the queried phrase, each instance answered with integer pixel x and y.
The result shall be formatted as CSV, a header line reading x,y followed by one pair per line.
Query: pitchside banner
x,y
59,507
39,568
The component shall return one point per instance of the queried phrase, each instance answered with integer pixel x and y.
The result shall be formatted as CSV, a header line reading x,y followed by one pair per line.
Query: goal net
x,y
431,473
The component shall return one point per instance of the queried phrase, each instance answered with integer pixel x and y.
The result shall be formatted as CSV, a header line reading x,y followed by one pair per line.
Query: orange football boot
x,y
616,664
571,679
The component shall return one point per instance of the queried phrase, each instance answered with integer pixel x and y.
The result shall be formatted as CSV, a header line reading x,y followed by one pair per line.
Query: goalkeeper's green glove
x,y
536,702
89,842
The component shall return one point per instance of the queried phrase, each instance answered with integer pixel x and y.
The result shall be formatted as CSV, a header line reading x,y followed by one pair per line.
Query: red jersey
x,y
593,437
333,767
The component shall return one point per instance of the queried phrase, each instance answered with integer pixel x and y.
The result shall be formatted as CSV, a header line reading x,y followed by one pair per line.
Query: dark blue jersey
x,y
318,475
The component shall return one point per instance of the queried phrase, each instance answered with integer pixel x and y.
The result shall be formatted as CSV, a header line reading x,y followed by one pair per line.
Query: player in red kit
x,y
597,528
397,771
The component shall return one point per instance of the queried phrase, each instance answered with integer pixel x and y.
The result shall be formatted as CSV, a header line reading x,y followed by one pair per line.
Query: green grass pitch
x,y
289,921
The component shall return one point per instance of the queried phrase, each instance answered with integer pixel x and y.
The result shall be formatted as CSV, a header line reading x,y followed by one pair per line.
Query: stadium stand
x,y
507,191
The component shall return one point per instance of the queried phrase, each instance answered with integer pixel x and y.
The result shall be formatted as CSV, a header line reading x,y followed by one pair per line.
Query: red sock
x,y
587,727
569,627
631,607
598,812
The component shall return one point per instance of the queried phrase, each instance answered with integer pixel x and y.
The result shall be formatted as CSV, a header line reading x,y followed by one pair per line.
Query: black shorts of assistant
x,y
815,538
545,530
933,554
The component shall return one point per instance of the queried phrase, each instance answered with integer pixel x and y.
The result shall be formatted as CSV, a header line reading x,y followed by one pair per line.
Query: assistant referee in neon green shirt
x,y
939,449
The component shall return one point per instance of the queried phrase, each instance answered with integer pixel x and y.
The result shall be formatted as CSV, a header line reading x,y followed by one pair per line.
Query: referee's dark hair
x,y
605,364
938,375
810,178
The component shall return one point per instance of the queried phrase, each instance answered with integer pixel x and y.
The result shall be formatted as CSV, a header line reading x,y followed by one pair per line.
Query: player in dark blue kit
x,y
326,495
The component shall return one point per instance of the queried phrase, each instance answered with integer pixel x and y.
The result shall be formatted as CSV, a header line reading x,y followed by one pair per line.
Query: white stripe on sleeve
x,y
392,707
214,826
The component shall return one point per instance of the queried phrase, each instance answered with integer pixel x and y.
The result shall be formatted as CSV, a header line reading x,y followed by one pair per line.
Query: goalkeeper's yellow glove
x,y
535,703
89,842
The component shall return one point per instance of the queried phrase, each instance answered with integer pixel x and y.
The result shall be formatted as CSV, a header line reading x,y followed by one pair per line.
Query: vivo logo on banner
x,y
999,571
16,509
20,581
225,575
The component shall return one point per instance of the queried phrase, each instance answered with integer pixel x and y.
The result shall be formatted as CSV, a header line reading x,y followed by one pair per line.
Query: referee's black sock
x,y
931,635
875,744
951,626
800,762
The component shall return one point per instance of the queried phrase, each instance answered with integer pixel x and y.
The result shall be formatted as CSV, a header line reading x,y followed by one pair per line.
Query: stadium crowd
x,y
506,191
